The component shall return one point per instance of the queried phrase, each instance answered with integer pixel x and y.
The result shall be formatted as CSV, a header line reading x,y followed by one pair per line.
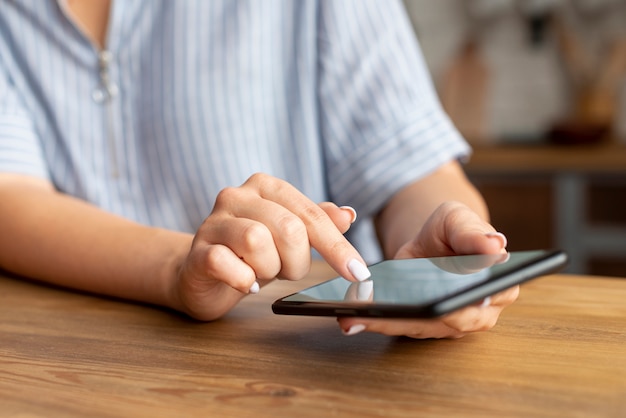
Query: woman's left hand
x,y
452,229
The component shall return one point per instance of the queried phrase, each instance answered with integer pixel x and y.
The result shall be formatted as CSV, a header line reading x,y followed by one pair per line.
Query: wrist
x,y
171,270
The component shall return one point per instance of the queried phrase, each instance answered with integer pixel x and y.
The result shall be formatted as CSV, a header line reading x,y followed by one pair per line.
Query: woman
x,y
123,125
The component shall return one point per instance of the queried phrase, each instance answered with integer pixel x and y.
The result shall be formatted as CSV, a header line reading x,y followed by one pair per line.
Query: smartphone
x,y
422,287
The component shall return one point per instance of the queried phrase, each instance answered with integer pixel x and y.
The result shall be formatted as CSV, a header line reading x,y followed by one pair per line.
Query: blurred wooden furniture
x,y
551,196
558,351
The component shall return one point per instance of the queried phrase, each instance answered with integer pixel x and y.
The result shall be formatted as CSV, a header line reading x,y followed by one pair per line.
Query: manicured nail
x,y
352,212
364,290
359,270
254,288
486,302
498,235
354,329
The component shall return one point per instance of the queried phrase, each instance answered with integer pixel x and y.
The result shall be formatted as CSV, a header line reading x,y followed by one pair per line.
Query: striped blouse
x,y
191,96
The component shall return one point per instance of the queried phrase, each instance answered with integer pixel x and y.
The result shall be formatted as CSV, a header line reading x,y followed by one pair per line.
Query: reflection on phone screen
x,y
412,281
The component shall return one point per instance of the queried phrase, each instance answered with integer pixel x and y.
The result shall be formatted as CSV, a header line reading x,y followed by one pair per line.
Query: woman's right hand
x,y
262,230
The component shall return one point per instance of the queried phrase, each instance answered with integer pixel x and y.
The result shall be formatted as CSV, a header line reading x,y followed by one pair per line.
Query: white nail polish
x,y
254,288
359,270
354,329
486,302
498,235
364,290
352,210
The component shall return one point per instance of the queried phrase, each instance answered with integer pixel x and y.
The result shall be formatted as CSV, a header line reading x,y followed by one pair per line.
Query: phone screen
x,y
421,287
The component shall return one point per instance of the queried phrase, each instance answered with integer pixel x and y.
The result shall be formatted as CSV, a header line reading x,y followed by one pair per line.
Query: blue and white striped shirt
x,y
192,96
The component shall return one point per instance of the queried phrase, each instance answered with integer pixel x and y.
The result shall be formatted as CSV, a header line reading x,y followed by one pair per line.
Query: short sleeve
x,y
382,123
20,148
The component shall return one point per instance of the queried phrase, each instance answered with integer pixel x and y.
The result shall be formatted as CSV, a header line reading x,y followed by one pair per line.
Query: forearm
x,y
409,209
58,239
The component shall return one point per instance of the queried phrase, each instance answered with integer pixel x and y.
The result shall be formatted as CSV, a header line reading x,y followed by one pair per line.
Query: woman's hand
x,y
452,229
256,232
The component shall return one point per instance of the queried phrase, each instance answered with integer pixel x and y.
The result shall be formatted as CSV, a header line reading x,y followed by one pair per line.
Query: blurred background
x,y
538,87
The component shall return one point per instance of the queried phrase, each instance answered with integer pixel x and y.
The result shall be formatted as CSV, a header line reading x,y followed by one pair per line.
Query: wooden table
x,y
559,351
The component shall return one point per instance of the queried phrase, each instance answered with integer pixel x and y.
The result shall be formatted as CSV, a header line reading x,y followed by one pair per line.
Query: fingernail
x,y
486,302
352,212
364,290
254,288
359,270
499,235
354,329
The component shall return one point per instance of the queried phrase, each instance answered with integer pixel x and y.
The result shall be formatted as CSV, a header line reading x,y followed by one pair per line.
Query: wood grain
x,y
559,351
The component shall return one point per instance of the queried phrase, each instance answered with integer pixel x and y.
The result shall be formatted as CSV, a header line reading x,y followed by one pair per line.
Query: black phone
x,y
422,287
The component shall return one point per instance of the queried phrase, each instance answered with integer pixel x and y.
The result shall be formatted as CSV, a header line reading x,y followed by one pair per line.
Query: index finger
x,y
322,233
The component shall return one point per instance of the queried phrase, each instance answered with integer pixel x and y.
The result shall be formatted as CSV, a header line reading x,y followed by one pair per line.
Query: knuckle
x,y
491,318
254,236
478,323
453,211
313,214
218,263
216,256
267,185
465,328
292,229
339,246
465,321
482,324
489,323
226,195
259,180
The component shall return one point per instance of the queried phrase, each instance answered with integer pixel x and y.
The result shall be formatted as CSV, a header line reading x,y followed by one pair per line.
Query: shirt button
x,y
104,93
98,95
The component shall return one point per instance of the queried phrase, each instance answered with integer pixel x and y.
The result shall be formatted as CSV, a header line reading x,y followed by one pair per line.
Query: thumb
x,y
342,216
452,229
